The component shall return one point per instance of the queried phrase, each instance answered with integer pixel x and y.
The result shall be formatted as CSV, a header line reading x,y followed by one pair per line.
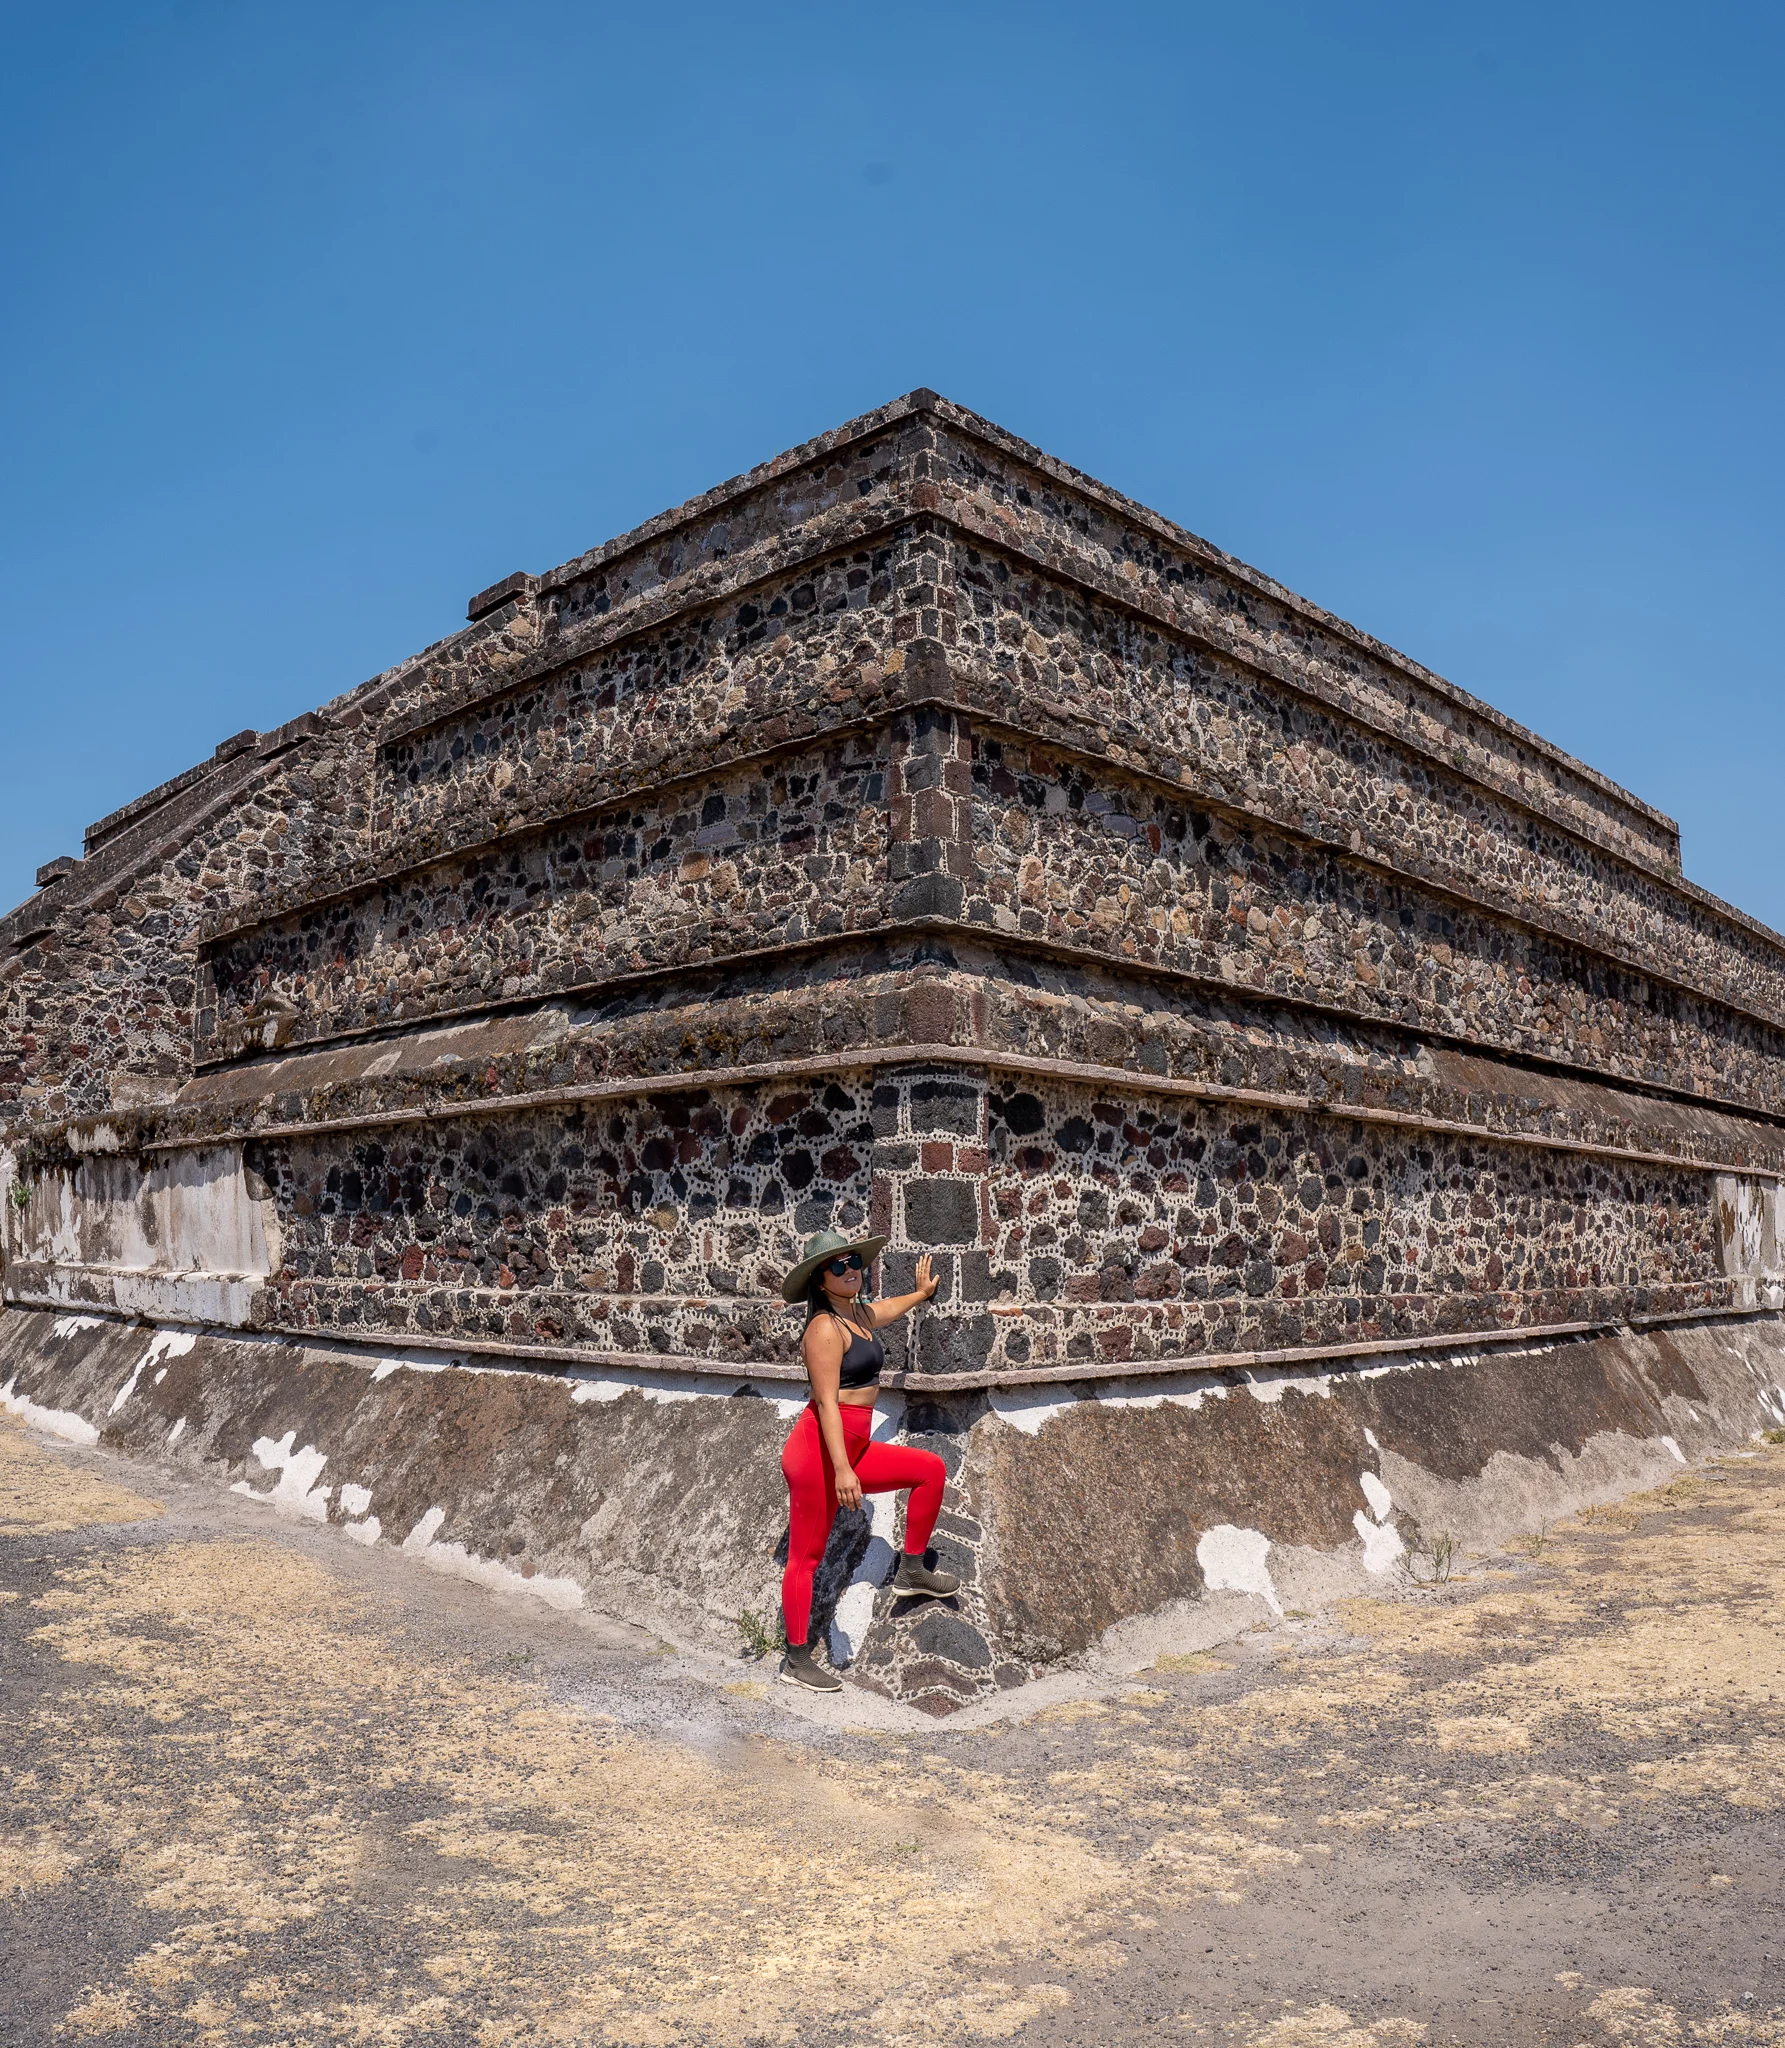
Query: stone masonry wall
x,y
1234,738
914,739
1068,1224
790,849
1085,856
1036,513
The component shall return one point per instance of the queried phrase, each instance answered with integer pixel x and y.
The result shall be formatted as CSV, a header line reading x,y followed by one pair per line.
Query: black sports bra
x,y
863,1361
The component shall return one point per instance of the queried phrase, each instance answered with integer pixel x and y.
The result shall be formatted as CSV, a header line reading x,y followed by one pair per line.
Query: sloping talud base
x,y
1087,1518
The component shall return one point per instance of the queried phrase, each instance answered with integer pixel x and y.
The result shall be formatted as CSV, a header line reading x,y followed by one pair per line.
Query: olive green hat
x,y
826,1245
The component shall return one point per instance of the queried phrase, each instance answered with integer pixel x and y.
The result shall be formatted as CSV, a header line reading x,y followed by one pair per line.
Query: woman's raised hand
x,y
927,1283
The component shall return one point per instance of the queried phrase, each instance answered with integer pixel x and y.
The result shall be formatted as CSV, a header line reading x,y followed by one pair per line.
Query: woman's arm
x,y
823,1348
889,1311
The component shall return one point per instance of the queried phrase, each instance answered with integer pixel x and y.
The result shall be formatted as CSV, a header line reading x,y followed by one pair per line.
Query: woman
x,y
829,1457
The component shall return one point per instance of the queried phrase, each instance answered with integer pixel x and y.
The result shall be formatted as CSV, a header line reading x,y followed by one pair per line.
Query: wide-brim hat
x,y
828,1244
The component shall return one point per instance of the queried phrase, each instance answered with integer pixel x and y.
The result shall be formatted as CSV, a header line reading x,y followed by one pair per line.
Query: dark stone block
x,y
945,1103
1022,1113
922,1682
519,586
898,1272
973,1277
942,1211
941,1634
954,1343
1045,1275
956,1557
930,896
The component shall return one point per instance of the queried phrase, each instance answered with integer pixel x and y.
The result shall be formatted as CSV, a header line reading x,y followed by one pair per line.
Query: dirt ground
x,y
257,1785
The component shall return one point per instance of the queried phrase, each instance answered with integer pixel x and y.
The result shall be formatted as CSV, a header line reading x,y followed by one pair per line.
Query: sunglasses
x,y
852,1263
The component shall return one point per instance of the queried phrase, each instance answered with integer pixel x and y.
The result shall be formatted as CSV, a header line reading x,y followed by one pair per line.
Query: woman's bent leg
x,y
811,1509
883,1468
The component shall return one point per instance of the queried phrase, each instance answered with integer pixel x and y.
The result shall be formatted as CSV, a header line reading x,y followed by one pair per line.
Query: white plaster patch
x,y
1370,1439
72,1326
855,1609
296,1491
666,1388
164,1344
366,1532
1674,1448
355,1499
179,1430
1178,1390
1383,1548
1029,1408
62,1422
1270,1386
1237,1560
459,1563
384,1371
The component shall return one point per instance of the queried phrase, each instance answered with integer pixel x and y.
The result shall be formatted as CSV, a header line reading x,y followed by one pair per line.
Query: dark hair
x,y
818,1302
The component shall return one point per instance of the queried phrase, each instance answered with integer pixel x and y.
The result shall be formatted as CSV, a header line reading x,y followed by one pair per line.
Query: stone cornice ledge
x,y
1033,1065
738,1374
919,691
708,584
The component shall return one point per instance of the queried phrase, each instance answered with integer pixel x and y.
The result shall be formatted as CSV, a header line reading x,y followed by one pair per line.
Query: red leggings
x,y
812,1499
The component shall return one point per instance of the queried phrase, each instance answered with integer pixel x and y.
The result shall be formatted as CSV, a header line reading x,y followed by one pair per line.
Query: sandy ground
x,y
257,1785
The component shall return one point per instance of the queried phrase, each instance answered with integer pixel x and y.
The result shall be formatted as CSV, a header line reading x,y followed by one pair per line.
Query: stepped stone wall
x,y
912,832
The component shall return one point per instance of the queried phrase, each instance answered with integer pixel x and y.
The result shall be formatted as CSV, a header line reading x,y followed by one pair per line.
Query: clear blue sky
x,y
1463,321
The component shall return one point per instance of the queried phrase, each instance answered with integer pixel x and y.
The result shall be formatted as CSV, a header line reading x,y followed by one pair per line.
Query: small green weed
x,y
1535,1543
1772,1436
758,1636
1433,1563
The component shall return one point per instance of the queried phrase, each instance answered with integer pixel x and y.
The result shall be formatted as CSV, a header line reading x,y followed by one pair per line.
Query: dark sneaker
x,y
914,1576
798,1668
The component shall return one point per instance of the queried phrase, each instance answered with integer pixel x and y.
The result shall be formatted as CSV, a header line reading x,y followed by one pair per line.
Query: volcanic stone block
x,y
941,1212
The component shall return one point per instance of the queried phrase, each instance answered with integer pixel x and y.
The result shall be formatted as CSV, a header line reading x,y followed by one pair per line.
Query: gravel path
x,y
257,1785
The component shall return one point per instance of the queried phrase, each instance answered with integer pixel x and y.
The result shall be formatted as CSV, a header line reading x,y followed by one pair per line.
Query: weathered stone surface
x,y
1068,1510
911,835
